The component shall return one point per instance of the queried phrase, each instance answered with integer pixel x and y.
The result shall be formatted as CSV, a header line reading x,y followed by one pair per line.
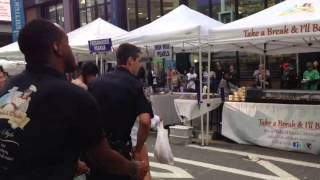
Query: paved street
x,y
228,161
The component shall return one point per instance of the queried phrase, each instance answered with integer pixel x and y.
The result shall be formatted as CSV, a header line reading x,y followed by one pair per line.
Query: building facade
x,y
130,14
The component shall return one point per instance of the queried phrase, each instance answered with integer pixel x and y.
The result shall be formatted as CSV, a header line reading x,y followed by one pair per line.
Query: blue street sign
x,y
17,18
100,45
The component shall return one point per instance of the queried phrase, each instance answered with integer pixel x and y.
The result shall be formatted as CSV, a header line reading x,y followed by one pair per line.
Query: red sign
x,y
5,12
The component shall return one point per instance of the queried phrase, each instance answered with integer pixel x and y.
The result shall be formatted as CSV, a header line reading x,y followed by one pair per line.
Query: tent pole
x,y
97,59
264,65
208,94
297,64
200,89
101,64
104,62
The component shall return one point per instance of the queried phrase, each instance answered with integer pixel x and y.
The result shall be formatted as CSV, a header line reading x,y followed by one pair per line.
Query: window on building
x,y
92,9
131,14
138,13
155,6
101,9
55,13
272,2
223,10
142,12
202,6
248,7
169,5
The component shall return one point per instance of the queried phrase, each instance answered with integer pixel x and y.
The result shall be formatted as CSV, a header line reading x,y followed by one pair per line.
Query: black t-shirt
x,y
121,99
45,123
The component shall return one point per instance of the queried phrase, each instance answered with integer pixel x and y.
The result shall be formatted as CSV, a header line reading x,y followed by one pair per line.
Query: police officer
x,y
45,121
121,99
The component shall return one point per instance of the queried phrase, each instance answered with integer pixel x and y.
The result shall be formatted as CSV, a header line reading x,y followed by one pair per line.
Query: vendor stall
x,y
287,120
289,127
189,109
289,27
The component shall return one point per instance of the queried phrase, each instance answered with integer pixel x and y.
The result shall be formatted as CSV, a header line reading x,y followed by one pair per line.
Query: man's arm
x,y
87,135
143,132
111,161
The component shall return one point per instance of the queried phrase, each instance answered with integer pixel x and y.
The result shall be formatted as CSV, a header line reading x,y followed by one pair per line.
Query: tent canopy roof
x,y
292,26
98,29
179,25
78,39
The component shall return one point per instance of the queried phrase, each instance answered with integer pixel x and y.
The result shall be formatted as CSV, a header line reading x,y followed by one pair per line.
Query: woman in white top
x,y
88,73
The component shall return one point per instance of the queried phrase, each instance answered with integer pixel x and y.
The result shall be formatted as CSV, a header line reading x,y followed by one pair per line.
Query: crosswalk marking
x,y
225,169
276,170
174,172
273,158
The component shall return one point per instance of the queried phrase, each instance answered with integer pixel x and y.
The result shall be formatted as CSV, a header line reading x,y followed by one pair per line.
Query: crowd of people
x,y
189,80
228,78
310,79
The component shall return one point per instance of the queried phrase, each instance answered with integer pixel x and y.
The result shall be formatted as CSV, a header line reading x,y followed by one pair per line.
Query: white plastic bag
x,y
81,177
162,149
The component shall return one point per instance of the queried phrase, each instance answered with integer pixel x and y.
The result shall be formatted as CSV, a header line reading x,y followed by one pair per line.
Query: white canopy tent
x,y
12,67
98,29
78,39
181,28
292,26
11,52
184,29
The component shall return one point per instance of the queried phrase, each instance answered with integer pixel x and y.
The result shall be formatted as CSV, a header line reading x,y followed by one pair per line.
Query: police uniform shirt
x,y
121,99
45,123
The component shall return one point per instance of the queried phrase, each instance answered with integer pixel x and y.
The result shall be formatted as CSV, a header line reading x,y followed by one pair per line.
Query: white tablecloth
x,y
188,109
281,126
163,106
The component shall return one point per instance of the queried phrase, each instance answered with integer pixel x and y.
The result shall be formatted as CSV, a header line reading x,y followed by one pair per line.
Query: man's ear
x,y
130,60
56,49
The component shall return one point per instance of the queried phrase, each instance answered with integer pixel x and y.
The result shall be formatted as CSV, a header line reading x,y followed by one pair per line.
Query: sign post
x,y
99,47
18,18
163,51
